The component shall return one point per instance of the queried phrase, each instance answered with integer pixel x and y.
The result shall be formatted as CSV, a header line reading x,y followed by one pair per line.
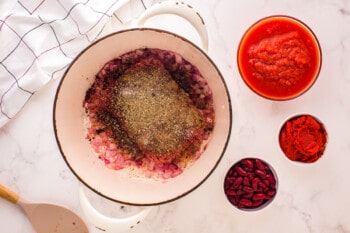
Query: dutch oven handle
x,y
110,224
180,9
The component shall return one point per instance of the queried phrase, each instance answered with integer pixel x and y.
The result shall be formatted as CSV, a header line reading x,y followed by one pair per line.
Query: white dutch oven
x,y
68,113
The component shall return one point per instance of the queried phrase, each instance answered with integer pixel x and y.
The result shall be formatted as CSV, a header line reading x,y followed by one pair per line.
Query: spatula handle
x,y
8,194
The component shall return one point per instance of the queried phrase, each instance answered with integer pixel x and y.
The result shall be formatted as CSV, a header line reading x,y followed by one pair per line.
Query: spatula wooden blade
x,y
49,218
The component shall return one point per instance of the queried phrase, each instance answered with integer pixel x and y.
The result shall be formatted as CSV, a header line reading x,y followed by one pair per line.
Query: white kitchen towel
x,y
39,38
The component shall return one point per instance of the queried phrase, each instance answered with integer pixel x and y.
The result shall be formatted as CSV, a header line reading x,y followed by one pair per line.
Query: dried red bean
x,y
231,193
233,200
260,164
241,171
230,173
248,195
237,182
246,181
258,203
240,192
230,180
250,176
271,193
271,178
245,203
259,190
248,163
261,173
259,196
262,185
267,182
255,183
248,189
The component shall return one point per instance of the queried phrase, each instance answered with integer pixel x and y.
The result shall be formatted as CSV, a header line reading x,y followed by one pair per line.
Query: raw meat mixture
x,y
149,109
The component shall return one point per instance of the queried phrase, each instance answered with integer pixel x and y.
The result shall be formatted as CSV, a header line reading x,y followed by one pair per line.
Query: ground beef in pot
x,y
150,109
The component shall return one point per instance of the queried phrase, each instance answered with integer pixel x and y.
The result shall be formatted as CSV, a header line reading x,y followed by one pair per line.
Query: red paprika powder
x,y
303,138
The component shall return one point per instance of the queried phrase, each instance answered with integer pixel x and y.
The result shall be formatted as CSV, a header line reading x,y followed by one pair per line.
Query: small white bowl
x,y
322,131
250,184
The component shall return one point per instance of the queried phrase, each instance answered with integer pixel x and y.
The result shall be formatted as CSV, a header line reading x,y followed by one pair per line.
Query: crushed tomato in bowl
x,y
279,57
149,109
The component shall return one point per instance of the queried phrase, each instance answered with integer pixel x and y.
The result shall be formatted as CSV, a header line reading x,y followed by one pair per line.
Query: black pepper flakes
x,y
153,110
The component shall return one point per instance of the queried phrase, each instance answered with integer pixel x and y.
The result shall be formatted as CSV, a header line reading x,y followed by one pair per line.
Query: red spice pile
x,y
303,139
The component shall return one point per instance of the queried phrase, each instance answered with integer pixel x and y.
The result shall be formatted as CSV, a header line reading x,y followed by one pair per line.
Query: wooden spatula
x,y
47,218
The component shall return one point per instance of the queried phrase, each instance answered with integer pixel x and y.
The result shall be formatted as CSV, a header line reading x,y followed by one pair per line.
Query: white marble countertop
x,y
310,198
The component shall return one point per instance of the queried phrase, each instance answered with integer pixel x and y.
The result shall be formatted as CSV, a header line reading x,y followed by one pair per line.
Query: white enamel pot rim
x,y
70,133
